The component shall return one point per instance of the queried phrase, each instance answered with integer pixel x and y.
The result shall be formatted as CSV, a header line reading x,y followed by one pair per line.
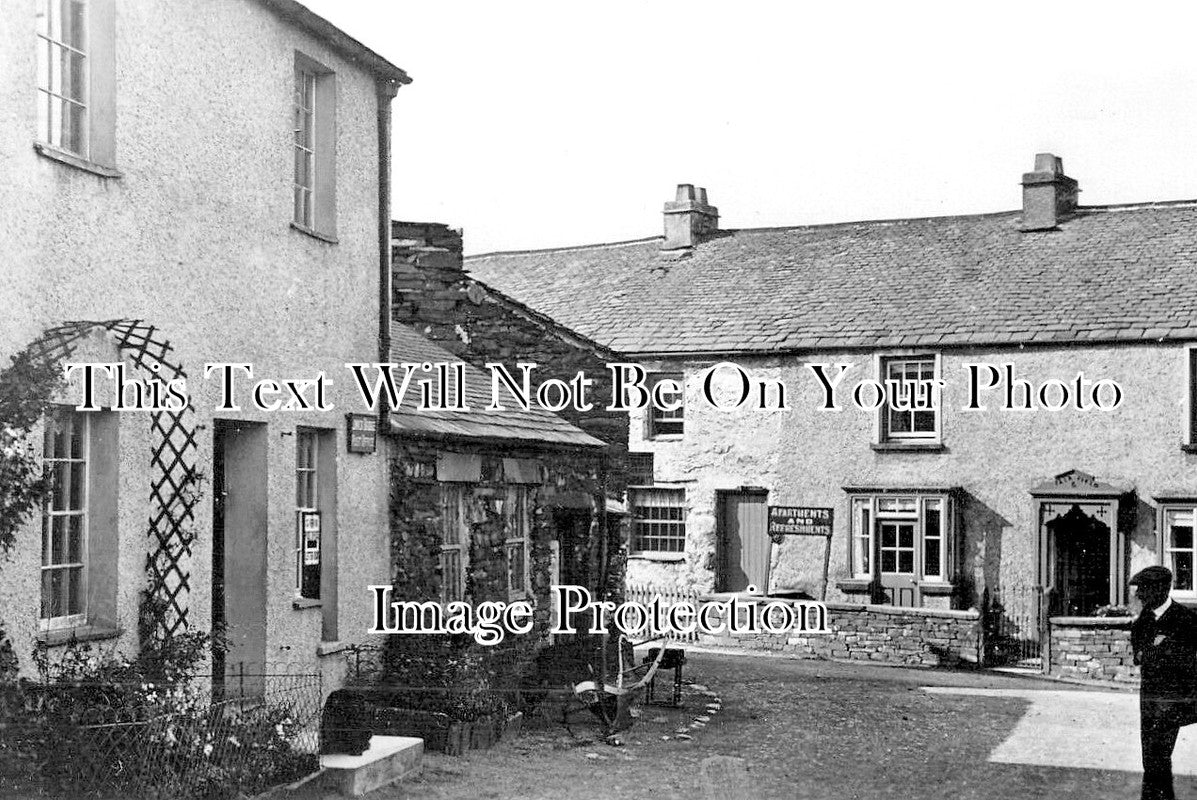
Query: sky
x,y
533,124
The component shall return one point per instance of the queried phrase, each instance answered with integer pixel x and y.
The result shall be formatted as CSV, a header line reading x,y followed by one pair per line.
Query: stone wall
x,y
1096,648
433,294
887,634
416,537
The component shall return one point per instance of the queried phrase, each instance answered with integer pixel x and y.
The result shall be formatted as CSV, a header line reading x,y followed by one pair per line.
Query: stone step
x,y
388,759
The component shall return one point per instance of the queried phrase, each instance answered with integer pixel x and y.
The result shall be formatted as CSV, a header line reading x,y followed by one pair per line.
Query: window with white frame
x,y
659,520
668,421
517,540
901,535
1180,548
911,411
307,514
76,81
314,148
65,454
455,541
62,74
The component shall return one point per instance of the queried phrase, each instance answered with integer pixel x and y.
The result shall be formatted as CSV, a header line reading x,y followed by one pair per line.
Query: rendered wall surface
x,y
195,238
806,456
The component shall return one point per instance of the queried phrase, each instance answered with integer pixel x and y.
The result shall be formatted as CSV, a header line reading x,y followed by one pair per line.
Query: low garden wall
x,y
1095,648
886,634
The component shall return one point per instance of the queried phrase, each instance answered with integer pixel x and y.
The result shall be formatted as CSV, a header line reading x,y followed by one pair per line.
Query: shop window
x,y
666,421
315,516
75,82
659,520
314,148
911,412
902,539
78,569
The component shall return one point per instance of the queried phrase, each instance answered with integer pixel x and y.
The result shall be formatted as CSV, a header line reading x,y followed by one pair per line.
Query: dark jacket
x,y
1166,651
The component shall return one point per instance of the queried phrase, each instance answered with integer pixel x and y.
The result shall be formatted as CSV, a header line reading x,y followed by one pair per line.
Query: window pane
x,y
905,561
1182,567
75,539
58,543
1182,537
931,551
889,561
906,536
73,602
924,421
889,536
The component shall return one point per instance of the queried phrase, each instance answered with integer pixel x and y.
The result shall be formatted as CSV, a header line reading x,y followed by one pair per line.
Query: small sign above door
x,y
799,521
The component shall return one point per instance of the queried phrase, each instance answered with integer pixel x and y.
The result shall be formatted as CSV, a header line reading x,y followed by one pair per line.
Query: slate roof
x,y
534,426
1109,273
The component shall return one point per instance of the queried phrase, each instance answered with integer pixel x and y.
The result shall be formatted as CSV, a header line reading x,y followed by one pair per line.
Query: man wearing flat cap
x,y
1164,640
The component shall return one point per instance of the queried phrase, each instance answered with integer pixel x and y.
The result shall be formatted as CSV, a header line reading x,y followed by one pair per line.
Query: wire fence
x,y
206,738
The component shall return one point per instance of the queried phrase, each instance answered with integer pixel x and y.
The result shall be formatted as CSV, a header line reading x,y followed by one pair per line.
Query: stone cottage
x,y
477,501
433,293
972,407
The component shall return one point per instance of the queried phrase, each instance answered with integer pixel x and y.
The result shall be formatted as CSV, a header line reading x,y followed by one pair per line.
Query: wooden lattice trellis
x,y
174,481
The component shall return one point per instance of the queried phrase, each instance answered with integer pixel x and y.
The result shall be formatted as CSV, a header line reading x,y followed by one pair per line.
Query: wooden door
x,y
743,541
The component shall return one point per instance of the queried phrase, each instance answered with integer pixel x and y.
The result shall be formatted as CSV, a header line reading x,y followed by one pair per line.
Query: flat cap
x,y
1152,575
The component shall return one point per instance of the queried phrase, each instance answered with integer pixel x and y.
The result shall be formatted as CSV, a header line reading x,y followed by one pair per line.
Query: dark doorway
x,y
1079,558
743,541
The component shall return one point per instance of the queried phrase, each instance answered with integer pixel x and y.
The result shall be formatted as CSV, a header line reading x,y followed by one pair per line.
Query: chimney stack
x,y
689,218
1048,195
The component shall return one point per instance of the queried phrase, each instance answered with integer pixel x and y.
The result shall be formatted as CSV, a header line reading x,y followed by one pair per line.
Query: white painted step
x,y
388,759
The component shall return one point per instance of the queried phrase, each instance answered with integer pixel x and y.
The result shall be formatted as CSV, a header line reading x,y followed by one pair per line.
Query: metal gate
x,y
1014,623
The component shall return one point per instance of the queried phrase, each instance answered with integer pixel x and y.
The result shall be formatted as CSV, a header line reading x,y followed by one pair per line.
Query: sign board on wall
x,y
361,433
799,521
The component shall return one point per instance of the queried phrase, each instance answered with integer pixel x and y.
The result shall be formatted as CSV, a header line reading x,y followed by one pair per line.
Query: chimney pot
x,y
689,218
1048,195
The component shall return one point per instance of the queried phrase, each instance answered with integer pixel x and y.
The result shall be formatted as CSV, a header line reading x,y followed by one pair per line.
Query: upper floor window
x,y
314,146
75,82
659,516
667,421
911,412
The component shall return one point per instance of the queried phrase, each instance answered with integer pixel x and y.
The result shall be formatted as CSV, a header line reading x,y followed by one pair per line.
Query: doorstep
x,y
388,759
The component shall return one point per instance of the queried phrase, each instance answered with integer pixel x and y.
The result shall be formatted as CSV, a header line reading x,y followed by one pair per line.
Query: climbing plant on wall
x,y
27,387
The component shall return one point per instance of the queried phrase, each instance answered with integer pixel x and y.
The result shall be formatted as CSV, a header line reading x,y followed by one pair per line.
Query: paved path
x,y
1055,722
829,731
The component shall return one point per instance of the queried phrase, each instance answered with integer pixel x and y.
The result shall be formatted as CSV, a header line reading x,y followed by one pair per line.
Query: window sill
x,y
855,585
908,447
315,234
305,602
670,557
936,588
72,160
83,633
665,437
